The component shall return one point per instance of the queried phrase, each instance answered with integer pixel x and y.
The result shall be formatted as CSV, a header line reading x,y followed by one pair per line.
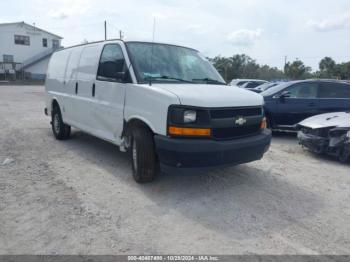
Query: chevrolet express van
x,y
164,104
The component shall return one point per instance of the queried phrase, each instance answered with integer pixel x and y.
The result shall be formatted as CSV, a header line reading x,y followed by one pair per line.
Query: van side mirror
x,y
120,76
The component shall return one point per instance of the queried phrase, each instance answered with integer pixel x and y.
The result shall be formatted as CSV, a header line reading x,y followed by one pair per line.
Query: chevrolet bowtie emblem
x,y
240,121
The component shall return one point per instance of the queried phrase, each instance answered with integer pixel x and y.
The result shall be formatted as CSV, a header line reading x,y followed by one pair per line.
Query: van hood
x,y
337,119
205,95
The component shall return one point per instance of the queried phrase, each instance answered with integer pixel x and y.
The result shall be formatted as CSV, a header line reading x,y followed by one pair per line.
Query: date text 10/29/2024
x,y
173,258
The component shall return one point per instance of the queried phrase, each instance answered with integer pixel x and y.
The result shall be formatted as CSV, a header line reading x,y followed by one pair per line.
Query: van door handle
x,y
311,104
76,88
93,90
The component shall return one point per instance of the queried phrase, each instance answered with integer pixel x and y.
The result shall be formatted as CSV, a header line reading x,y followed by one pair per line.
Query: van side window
x,y
111,62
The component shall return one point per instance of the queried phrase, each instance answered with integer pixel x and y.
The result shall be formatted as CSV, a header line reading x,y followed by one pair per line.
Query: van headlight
x,y
189,116
181,115
348,134
188,121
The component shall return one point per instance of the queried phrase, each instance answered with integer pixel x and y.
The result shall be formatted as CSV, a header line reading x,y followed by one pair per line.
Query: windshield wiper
x,y
168,78
209,81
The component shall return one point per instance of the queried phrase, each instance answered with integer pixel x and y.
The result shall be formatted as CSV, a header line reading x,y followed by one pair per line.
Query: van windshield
x,y
170,64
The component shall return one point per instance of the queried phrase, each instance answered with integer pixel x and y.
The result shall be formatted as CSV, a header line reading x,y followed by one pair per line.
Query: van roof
x,y
129,41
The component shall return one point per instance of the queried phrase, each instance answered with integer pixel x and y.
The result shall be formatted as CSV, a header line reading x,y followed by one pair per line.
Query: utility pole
x,y
105,30
120,35
225,66
285,63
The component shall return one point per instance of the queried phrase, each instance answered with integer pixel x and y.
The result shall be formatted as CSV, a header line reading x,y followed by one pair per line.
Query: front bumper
x,y
325,145
347,148
316,144
199,153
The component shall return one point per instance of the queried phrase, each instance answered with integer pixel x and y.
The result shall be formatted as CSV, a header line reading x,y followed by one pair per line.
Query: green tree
x,y
327,68
223,65
270,73
297,70
242,66
342,71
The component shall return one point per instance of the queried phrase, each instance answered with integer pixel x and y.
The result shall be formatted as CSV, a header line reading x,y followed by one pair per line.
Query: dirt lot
x,y
78,197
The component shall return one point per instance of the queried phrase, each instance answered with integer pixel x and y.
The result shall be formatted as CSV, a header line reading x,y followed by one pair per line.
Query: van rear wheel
x,y
60,130
143,156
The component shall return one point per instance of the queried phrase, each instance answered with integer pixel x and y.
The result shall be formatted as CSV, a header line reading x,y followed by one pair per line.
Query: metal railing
x,y
11,71
37,57
15,71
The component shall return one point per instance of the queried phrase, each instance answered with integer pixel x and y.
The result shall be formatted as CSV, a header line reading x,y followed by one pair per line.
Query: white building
x,y
24,47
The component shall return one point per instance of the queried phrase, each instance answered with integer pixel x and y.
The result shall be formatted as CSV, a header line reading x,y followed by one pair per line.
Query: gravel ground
x,y
78,197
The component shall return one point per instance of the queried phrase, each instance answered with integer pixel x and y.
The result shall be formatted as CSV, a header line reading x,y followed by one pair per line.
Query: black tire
x,y
318,150
343,157
60,130
143,157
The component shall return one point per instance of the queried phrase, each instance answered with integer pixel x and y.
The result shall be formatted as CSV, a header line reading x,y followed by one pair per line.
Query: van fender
x,y
60,104
139,118
125,141
52,100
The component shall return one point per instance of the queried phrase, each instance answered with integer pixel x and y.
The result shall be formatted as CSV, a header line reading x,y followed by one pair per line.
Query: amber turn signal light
x,y
186,131
263,123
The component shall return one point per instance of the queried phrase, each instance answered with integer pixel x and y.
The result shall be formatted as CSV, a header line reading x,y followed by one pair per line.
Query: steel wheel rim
x,y
56,123
134,155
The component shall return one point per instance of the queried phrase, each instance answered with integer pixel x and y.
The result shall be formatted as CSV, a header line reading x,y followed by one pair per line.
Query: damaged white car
x,y
327,134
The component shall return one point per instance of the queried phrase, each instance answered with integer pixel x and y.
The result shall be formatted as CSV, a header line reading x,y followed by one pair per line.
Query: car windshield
x,y
275,89
171,64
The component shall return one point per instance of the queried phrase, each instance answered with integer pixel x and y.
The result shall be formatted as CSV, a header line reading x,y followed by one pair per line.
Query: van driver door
x,y
109,92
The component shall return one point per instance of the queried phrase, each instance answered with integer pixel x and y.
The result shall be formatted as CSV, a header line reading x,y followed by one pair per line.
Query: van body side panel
x,y
82,100
54,84
150,105
70,82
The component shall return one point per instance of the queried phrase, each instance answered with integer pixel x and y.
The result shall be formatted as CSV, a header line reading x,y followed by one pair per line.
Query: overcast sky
x,y
267,30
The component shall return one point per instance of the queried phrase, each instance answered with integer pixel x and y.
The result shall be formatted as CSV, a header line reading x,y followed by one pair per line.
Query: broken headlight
x,y
339,132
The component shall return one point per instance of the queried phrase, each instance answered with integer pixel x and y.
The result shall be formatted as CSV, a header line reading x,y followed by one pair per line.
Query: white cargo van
x,y
165,104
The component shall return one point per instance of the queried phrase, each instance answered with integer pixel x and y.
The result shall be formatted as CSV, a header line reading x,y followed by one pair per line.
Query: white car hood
x,y
204,95
338,119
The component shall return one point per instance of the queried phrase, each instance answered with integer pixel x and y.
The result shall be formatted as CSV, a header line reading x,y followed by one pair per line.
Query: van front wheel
x,y
143,156
60,130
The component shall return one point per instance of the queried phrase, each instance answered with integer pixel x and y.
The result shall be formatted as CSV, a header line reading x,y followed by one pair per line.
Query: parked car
x,y
289,103
240,82
165,104
263,87
252,84
327,134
